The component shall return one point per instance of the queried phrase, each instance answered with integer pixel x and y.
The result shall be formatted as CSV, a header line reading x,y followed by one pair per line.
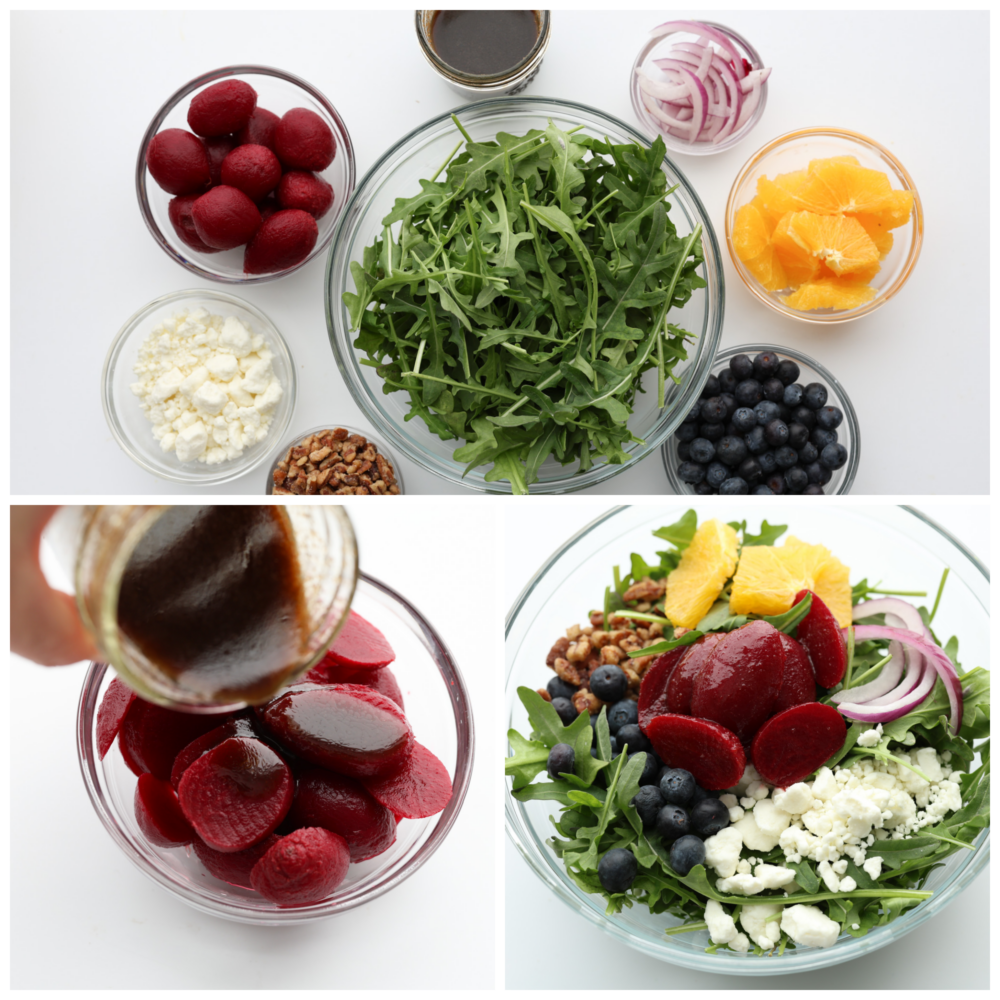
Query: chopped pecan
x,y
545,694
640,663
569,672
572,632
599,638
558,649
611,654
597,618
587,701
579,650
645,590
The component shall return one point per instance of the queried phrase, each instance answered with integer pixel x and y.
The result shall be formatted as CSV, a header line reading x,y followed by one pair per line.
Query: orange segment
x,y
782,194
837,239
766,267
765,216
799,264
814,165
836,187
877,231
750,233
705,566
829,293
894,210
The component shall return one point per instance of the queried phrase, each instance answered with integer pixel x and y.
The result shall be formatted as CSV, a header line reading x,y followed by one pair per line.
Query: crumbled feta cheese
x,y
728,800
747,802
741,884
722,852
855,927
847,884
795,799
753,917
740,943
771,820
873,866
757,790
839,867
754,838
825,785
743,867
830,878
721,927
736,814
871,737
809,925
774,876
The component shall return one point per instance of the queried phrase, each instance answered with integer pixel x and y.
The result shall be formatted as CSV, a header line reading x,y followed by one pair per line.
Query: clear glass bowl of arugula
x,y
895,548
487,405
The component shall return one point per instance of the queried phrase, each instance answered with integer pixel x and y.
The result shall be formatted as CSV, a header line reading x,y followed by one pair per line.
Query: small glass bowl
x,y
793,151
377,441
128,423
278,92
437,706
658,47
848,433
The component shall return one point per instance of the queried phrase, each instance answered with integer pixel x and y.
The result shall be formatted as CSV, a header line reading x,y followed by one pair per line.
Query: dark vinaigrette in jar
x,y
483,42
213,598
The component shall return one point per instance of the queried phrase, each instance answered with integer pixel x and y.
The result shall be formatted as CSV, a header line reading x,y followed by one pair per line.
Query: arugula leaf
x,y
545,721
786,623
528,761
769,534
681,532
720,619
668,644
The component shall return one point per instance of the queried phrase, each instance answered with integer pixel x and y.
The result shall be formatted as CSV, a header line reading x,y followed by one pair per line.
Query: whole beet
x,y
253,169
303,141
225,217
303,189
223,107
283,241
178,162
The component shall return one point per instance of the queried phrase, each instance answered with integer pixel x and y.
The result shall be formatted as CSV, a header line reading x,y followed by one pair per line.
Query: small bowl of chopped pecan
x,y
334,460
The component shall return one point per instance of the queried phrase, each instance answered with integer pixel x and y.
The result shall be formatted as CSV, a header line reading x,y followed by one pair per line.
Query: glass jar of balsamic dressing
x,y
208,608
484,53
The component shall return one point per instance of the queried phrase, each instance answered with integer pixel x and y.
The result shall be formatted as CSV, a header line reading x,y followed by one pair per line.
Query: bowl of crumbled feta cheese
x,y
198,387
847,858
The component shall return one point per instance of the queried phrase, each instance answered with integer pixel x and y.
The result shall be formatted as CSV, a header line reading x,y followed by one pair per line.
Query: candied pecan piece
x,y
611,654
587,701
558,649
645,590
569,672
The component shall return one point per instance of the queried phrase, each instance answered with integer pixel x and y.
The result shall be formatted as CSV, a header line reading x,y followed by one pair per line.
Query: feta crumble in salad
x,y
743,740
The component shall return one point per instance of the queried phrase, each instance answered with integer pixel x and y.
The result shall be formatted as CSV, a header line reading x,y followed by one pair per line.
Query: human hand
x,y
45,625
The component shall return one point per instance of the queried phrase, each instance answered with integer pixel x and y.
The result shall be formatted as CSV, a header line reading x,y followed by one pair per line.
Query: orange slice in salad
x,y
837,187
838,240
783,193
705,566
751,234
799,263
829,293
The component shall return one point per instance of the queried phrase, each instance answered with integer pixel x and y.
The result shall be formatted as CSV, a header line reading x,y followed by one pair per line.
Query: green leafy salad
x,y
937,778
523,296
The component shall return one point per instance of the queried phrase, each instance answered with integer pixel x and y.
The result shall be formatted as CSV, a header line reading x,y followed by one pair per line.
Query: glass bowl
x,y
793,151
128,423
848,433
277,92
659,47
283,450
438,708
398,173
897,545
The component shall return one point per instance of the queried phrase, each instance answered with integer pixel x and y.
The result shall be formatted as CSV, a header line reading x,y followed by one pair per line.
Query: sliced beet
x,y
304,867
739,683
382,680
798,685
796,742
360,645
681,685
130,761
712,753
342,805
153,736
159,814
233,867
236,794
420,788
822,639
347,728
114,705
653,690
239,726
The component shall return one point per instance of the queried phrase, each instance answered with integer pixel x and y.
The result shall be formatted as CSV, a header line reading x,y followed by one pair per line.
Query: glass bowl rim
x,y
458,698
916,224
672,142
812,960
226,72
569,483
850,415
279,347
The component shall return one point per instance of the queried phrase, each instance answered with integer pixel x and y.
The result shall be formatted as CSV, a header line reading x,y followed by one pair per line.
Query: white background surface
x,y
83,262
84,918
538,925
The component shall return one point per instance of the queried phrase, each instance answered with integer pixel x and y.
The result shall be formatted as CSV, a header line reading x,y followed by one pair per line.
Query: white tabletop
x,y
534,914
84,87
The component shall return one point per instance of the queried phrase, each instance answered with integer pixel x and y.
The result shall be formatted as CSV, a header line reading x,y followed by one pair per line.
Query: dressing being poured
x,y
212,597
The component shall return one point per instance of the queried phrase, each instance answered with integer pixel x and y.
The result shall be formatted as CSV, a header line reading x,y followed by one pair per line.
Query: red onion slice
x,y
706,31
895,709
884,684
912,673
905,612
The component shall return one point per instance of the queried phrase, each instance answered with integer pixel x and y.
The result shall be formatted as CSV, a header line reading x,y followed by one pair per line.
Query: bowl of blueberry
x,y
770,421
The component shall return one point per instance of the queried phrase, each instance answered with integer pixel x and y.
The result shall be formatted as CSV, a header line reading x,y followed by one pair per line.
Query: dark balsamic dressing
x,y
483,42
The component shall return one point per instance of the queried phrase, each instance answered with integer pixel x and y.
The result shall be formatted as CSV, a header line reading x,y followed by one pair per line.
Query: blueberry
x,y
773,390
617,870
708,817
686,432
730,402
672,822
803,415
766,364
796,479
648,802
650,769
685,853
819,475
677,786
768,466
812,490
691,472
788,371
562,758
609,683
731,430
731,451
822,438
748,392
727,380
622,713
693,415
712,388
792,396
634,737
713,410
776,433
808,453
765,411
744,419
798,435
558,688
829,417
716,475
734,487
700,793
776,484
684,450
762,491
711,432
815,395
614,746
565,709
750,471
741,366
754,440
833,456
702,450
702,489
786,457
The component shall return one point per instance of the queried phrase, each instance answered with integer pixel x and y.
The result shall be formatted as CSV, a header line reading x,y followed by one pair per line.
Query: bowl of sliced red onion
x,y
699,85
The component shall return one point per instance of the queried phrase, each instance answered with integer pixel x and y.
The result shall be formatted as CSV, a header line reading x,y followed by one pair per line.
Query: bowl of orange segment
x,y
824,225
